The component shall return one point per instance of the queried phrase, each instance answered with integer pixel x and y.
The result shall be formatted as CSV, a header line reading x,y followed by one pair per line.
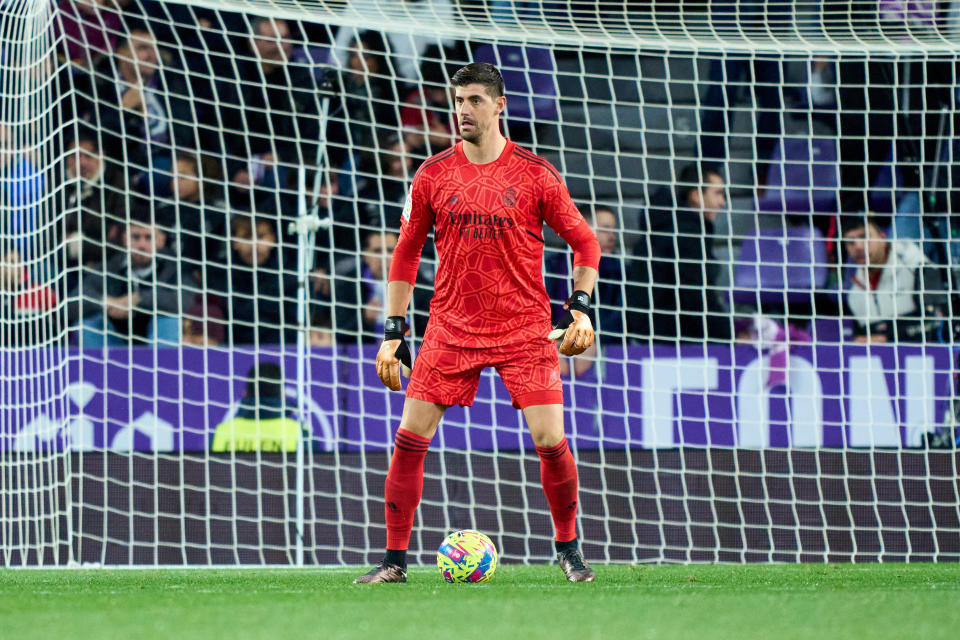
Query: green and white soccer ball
x,y
467,556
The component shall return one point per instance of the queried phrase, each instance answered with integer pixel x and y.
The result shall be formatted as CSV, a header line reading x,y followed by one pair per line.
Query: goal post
x,y
199,204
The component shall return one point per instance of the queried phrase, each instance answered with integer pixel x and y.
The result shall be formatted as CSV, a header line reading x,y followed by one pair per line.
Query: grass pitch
x,y
777,602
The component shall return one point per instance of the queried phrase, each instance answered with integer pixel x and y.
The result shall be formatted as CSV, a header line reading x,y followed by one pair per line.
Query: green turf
x,y
714,602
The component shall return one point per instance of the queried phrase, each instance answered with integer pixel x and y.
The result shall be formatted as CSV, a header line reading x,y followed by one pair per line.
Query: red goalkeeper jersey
x,y
488,229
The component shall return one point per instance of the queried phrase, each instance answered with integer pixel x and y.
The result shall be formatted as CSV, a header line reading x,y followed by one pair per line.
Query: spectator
x,y
384,189
608,301
139,295
203,325
27,308
261,422
426,114
202,228
93,227
89,29
894,294
259,297
321,333
146,107
359,288
373,277
22,187
276,116
612,274
369,104
680,267
405,48
347,232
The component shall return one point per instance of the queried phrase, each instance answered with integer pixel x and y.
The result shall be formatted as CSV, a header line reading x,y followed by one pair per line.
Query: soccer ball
x,y
467,556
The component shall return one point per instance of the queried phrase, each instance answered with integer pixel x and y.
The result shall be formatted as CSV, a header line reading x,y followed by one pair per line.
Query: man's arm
x,y
415,223
584,279
399,293
562,215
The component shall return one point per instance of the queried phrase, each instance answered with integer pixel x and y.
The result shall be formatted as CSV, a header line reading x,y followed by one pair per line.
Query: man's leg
x,y
558,475
558,470
404,485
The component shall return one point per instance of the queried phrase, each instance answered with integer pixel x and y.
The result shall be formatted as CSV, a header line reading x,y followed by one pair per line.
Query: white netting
x,y
201,199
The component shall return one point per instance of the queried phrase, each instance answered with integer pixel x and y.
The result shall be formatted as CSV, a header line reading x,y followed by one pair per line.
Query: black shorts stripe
x,y
526,155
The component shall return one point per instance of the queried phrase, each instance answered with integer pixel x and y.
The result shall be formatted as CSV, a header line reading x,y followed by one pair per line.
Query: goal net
x,y
199,202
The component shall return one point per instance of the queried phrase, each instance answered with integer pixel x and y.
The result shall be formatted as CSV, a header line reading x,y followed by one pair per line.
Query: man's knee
x,y
421,417
545,423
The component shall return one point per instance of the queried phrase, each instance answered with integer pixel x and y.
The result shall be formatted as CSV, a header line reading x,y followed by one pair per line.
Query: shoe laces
x,y
575,558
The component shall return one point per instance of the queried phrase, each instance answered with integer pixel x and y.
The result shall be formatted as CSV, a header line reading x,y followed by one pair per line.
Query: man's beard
x,y
472,136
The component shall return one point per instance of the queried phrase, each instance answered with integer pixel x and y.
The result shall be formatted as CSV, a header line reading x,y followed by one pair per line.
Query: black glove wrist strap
x,y
394,328
579,301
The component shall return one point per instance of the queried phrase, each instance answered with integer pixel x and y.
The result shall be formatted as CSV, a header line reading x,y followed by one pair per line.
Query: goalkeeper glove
x,y
574,325
394,355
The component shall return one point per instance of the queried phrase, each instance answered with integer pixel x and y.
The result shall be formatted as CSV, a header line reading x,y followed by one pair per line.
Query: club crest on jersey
x,y
407,208
509,197
452,200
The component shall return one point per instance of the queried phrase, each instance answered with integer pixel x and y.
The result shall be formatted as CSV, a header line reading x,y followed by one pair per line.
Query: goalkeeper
x,y
486,200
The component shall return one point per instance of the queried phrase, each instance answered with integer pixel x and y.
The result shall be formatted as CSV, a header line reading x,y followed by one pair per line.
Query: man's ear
x,y
696,199
501,104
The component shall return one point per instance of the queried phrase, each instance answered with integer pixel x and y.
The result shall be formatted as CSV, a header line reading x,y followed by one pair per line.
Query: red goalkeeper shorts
x,y
450,375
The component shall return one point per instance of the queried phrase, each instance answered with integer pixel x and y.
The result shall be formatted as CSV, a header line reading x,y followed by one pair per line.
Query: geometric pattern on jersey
x,y
488,230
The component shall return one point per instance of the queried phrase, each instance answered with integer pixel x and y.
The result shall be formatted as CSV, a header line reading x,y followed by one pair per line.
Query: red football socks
x,y
558,474
404,487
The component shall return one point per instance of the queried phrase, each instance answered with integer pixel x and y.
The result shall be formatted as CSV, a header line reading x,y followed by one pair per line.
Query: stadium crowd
x,y
181,179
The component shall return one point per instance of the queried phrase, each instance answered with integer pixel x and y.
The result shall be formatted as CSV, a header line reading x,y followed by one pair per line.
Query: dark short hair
x,y
691,177
86,133
264,380
127,43
480,73
257,22
850,222
244,225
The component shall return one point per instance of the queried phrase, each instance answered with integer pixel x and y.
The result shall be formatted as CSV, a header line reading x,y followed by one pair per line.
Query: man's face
x,y
143,243
186,186
85,161
437,96
141,53
256,250
377,253
710,198
272,41
477,111
605,227
397,161
866,246
328,189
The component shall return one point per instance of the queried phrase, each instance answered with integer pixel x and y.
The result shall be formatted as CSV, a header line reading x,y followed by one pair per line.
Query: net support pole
x,y
305,228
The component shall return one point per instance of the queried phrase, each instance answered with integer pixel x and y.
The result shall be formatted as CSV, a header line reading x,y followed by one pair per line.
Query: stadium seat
x,y
780,265
529,76
803,177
